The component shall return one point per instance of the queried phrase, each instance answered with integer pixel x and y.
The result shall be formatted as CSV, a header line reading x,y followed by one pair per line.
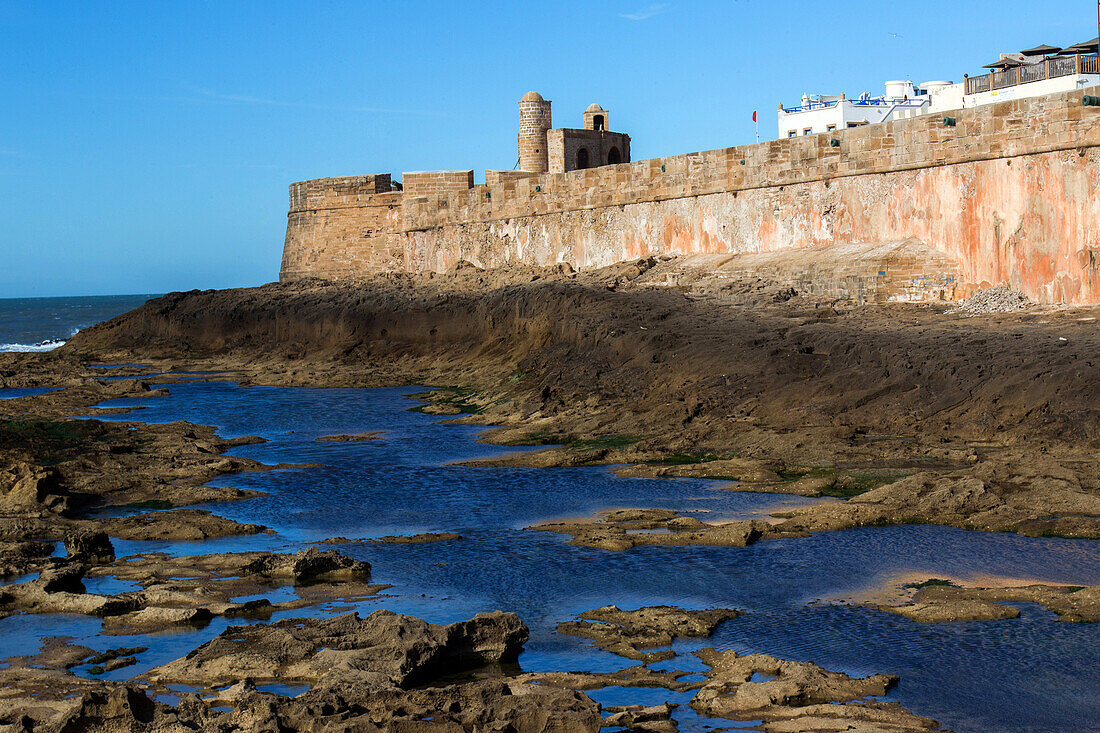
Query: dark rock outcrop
x,y
309,565
89,546
626,633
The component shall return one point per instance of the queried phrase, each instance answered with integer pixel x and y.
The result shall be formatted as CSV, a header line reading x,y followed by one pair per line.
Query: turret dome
x,y
532,97
595,108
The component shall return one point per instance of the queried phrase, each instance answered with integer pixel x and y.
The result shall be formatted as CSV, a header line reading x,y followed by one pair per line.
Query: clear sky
x,y
147,146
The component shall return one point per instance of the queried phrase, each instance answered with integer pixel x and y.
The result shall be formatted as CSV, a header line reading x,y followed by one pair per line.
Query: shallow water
x,y
11,393
1030,674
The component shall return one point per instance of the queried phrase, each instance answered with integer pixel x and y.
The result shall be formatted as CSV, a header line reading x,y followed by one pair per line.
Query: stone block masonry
x,y
1010,194
437,183
343,227
495,178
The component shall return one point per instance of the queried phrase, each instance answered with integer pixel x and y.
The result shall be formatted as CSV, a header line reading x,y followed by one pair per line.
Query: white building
x,y
821,113
1022,76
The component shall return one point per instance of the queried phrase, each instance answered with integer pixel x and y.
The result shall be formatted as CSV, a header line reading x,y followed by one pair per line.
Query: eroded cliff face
x,y
654,335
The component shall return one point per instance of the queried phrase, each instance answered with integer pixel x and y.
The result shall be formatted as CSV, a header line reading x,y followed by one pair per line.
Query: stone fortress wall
x,y
1010,193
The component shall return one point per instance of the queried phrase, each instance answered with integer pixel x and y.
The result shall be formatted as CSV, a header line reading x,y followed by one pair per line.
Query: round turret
x,y
534,122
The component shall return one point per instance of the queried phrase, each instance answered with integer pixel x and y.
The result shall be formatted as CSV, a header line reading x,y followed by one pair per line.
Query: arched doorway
x,y
582,158
614,156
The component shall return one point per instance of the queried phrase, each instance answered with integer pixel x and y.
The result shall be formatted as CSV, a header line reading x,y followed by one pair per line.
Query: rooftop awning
x,y
1003,64
1043,50
1085,47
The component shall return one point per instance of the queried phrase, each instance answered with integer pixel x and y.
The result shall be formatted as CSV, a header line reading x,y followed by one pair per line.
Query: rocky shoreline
x,y
903,414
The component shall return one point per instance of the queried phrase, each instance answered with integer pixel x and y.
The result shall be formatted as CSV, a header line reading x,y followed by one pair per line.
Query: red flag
x,y
754,115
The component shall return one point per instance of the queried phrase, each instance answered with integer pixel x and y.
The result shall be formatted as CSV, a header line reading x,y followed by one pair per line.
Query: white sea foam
x,y
32,348
42,346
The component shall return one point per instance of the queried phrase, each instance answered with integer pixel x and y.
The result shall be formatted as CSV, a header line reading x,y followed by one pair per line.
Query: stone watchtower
x,y
534,122
595,118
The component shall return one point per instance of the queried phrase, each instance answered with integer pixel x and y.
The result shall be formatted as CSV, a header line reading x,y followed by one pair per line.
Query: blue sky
x,y
147,146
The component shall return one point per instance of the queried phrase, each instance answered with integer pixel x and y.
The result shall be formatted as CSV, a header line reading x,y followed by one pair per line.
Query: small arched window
x,y
614,156
582,158
597,122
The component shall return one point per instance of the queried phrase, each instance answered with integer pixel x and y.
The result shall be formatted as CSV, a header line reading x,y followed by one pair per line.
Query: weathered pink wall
x,y
1032,221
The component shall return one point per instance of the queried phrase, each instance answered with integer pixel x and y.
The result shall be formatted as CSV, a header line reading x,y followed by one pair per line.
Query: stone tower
x,y
534,121
595,118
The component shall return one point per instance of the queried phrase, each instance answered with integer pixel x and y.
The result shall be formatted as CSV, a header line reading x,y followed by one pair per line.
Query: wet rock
x,y
556,457
440,408
637,676
89,546
259,608
61,578
944,603
797,696
30,490
181,524
734,469
59,589
639,518
618,530
960,610
110,655
1037,496
415,538
358,438
121,708
212,582
626,633
20,558
309,565
154,618
389,648
485,705
685,524
655,719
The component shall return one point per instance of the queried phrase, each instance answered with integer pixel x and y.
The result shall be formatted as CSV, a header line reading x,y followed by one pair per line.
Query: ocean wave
x,y
41,346
31,348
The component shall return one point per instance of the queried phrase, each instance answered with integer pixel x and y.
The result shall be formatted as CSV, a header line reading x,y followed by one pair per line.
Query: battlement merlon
x,y
321,193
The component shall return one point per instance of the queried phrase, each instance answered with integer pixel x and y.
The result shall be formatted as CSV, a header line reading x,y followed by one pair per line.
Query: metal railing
x,y
872,102
1049,69
812,106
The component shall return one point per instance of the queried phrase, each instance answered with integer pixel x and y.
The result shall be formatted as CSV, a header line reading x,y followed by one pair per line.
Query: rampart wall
x,y
1010,192
343,227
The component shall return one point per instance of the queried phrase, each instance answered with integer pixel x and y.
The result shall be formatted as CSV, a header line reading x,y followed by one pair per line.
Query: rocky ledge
x,y
798,696
386,672
940,601
183,591
627,633
623,529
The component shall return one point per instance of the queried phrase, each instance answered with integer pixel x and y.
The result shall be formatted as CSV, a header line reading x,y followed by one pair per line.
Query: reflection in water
x,y
1032,674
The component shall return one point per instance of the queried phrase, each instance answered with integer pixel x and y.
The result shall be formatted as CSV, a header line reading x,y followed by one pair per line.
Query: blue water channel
x,y
1030,674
